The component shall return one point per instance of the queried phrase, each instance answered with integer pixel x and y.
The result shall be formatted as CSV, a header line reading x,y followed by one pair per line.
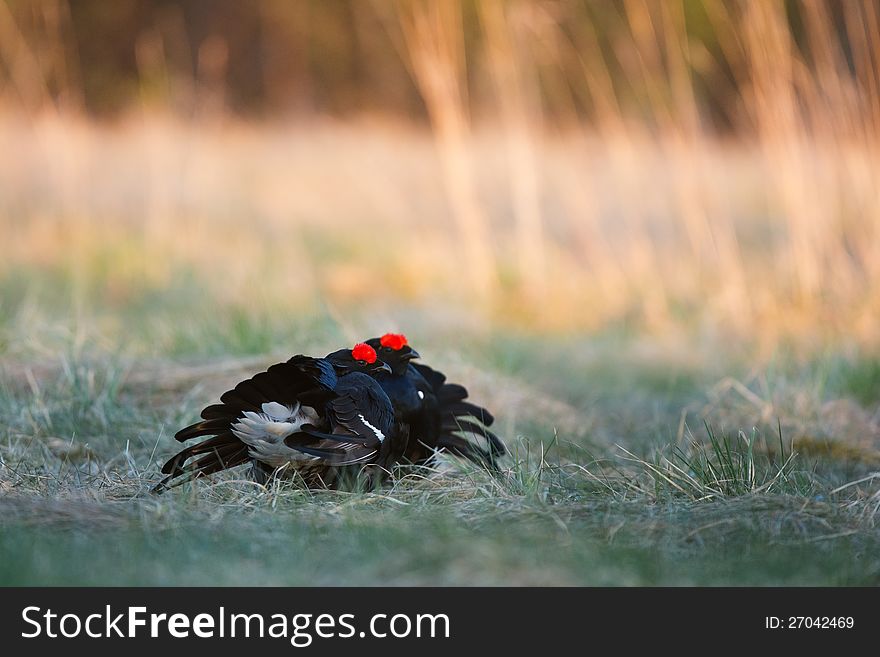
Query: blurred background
x,y
698,167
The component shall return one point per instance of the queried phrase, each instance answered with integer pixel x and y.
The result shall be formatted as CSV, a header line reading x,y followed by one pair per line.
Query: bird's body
x,y
311,418
435,411
358,438
348,417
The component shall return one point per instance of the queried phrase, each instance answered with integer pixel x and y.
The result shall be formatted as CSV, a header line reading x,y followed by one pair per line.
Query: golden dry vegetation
x,y
646,215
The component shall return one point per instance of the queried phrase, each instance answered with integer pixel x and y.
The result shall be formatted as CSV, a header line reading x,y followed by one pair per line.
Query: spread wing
x,y
457,417
300,380
452,395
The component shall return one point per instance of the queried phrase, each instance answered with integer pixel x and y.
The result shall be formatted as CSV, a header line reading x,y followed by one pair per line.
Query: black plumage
x,y
360,422
436,412
316,418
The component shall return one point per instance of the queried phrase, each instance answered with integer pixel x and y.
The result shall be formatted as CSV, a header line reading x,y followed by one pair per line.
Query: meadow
x,y
675,452
674,324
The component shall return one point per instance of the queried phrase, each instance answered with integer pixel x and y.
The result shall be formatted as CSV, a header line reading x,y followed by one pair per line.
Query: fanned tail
x,y
300,379
215,454
459,416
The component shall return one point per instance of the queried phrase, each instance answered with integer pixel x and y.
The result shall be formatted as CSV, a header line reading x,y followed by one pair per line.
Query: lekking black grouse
x,y
436,412
324,420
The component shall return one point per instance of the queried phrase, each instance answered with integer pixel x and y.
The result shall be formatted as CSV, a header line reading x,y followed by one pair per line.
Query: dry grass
x,y
645,215
357,215
85,432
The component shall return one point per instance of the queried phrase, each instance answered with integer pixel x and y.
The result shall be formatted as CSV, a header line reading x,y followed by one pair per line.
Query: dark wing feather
x,y
336,452
450,396
205,428
449,393
285,383
453,412
357,416
434,378
205,447
457,409
225,451
363,411
450,426
466,449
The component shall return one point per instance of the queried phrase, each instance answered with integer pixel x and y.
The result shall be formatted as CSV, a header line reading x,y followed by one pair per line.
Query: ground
x,y
634,461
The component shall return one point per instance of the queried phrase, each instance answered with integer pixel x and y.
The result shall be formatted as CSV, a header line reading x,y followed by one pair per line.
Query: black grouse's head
x,y
394,350
360,358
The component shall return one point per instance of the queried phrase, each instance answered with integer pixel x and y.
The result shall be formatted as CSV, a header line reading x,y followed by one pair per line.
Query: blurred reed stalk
x,y
582,177
506,27
434,43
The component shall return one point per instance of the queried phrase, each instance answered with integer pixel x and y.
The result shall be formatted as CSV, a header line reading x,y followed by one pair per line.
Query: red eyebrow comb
x,y
364,352
395,341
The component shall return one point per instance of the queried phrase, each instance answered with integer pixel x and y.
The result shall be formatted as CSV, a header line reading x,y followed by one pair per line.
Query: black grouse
x,y
435,411
323,420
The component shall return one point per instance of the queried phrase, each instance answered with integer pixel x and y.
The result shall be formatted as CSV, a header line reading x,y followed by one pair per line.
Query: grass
x,y
725,467
606,484
860,380
371,541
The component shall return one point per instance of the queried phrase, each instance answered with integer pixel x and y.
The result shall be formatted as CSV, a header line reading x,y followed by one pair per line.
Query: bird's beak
x,y
412,354
385,367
